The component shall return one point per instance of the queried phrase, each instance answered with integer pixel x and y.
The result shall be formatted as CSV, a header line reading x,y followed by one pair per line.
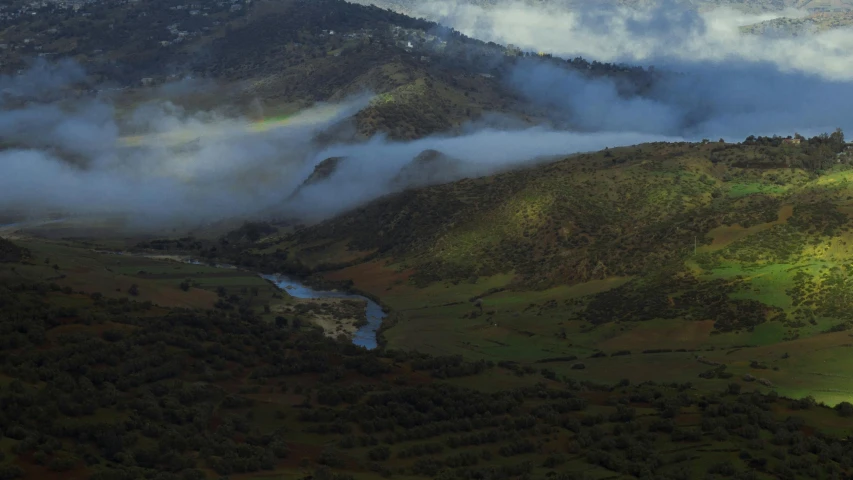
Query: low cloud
x,y
161,164
75,159
715,82
368,169
41,80
731,101
667,34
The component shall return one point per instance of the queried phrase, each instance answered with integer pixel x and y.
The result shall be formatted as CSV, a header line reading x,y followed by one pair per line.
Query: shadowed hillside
x,y
11,253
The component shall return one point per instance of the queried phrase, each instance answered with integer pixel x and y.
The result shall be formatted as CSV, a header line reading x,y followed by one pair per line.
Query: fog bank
x,y
713,81
160,165
669,33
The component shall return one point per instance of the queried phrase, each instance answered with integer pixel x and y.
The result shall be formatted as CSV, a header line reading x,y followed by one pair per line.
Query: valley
x,y
324,240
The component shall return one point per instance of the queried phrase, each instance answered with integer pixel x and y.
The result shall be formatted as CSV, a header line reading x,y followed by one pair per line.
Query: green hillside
x,y
680,255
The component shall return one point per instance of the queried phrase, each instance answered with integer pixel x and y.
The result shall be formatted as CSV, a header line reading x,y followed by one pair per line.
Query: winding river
x,y
365,336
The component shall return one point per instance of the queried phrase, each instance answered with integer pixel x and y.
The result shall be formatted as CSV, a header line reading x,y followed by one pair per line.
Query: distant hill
x,y
793,27
410,7
430,167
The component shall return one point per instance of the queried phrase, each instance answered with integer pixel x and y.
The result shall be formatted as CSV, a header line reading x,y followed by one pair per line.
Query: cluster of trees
x,y
642,301
621,441
11,253
812,154
835,140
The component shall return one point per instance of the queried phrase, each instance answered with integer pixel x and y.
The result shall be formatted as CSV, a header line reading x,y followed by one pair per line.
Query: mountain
x,y
279,56
429,167
665,248
322,171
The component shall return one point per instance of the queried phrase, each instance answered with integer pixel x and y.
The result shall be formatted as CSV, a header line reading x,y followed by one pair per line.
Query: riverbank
x,y
338,317
334,314
316,280
366,335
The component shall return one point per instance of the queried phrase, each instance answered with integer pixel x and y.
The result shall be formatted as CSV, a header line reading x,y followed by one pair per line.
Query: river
x,y
365,336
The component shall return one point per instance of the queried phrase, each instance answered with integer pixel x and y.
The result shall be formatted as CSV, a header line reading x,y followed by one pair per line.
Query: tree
x,y
845,409
379,454
10,472
837,138
133,290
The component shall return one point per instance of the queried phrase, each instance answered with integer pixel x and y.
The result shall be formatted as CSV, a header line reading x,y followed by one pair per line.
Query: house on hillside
x,y
791,140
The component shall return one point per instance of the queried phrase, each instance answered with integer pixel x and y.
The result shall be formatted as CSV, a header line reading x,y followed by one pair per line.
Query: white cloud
x,y
665,34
